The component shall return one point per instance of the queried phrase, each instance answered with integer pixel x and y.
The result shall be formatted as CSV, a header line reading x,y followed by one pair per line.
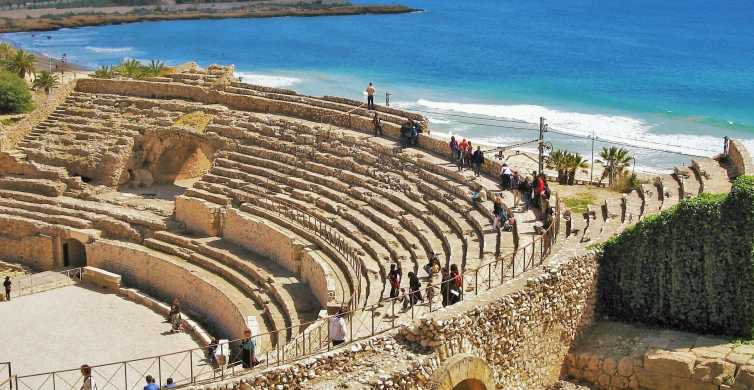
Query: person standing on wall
x,y
370,96
7,283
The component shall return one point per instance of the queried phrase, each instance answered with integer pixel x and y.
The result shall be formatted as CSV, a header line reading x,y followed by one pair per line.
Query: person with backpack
x,y
505,177
394,278
478,159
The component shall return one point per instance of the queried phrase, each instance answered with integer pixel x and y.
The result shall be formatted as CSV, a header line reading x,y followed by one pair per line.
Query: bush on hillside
x,y
14,94
690,267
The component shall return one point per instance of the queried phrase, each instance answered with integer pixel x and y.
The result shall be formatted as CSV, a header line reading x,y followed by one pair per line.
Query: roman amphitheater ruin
x,y
265,209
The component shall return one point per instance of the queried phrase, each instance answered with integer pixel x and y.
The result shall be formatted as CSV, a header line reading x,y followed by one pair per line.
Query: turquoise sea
x,y
676,75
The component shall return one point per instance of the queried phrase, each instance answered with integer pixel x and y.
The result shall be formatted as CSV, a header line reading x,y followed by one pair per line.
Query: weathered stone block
x,y
679,364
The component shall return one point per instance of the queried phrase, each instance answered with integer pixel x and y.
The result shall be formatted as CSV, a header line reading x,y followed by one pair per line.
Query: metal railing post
x,y
125,375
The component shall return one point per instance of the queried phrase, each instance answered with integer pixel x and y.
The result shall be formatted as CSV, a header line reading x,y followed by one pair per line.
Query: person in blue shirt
x,y
247,349
169,384
150,384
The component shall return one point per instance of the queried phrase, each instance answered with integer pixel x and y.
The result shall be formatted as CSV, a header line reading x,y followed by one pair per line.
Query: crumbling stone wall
x,y
740,158
34,251
523,330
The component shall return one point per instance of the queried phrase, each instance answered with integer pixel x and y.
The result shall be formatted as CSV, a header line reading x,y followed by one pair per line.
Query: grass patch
x,y
196,121
578,202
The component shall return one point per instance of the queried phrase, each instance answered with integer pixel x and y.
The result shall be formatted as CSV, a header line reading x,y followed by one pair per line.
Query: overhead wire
x,y
616,140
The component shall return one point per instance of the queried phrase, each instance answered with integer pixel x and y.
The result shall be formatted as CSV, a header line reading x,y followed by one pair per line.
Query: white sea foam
x,y
109,50
267,80
616,128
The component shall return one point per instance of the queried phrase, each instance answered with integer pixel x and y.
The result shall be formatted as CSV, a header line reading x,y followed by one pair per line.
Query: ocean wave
x,y
109,50
266,80
613,128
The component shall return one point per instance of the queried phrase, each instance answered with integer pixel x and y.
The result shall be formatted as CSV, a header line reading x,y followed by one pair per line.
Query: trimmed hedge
x,y
690,267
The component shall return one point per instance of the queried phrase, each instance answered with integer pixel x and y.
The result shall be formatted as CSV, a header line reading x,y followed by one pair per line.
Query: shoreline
x,y
94,18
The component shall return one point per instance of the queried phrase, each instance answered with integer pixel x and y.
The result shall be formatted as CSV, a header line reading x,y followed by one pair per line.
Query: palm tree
x,y
131,68
155,68
45,81
22,63
616,160
558,160
104,72
6,51
574,162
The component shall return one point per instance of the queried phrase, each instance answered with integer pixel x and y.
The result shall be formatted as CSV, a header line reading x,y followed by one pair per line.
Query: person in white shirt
x,y
505,175
88,383
337,325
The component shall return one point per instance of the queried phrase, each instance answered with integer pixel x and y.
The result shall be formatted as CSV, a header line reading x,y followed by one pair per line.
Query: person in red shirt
x,y
456,285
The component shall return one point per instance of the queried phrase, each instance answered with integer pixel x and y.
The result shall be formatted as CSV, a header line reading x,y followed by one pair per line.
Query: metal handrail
x,y
529,255
25,285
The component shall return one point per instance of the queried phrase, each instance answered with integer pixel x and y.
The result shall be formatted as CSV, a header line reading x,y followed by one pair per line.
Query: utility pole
x,y
542,127
591,166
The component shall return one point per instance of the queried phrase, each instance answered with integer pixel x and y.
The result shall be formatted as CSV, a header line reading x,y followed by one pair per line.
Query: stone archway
x,y
184,161
464,372
74,253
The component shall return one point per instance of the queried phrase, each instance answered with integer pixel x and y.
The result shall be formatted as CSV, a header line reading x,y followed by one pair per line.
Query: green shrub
x,y
690,267
14,94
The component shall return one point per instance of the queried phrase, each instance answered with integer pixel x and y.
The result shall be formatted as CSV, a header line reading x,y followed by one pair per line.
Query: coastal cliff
x,y
56,18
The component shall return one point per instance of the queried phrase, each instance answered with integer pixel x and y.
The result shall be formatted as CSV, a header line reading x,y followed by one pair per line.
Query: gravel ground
x,y
66,327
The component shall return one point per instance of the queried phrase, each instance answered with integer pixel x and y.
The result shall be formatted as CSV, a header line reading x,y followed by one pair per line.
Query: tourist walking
x,y
174,316
433,265
445,287
539,189
337,328
370,96
248,347
462,153
469,153
456,285
478,159
498,210
414,286
88,381
7,284
453,144
524,187
394,278
505,177
169,384
151,385
377,125
515,180
211,350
